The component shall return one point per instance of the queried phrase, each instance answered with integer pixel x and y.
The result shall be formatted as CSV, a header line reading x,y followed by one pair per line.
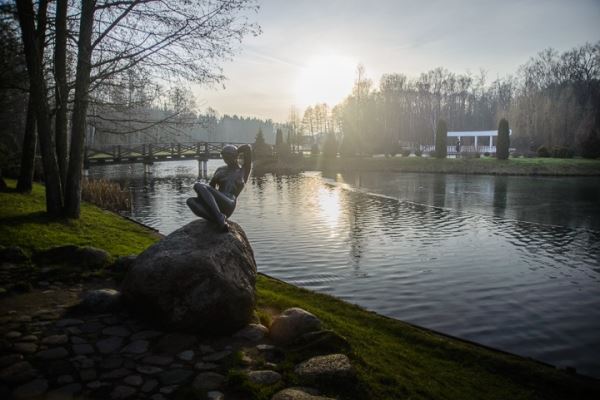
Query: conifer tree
x,y
441,135
503,140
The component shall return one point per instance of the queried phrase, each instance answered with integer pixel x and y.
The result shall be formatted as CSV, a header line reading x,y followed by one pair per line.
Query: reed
x,y
106,194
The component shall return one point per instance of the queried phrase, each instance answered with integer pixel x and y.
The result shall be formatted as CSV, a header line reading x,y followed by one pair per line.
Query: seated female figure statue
x,y
216,200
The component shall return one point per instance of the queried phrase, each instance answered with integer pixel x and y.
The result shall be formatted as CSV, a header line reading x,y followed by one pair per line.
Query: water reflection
x,y
510,262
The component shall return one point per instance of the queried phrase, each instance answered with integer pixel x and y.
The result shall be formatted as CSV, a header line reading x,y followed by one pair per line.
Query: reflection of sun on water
x,y
325,79
329,207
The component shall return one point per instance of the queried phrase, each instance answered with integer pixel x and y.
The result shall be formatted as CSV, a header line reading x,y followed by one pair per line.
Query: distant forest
x,y
553,100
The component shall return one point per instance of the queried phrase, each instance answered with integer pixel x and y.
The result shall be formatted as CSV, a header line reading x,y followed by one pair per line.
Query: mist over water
x,y
509,262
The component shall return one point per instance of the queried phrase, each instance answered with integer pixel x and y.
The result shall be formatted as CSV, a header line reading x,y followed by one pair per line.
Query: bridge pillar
x,y
202,168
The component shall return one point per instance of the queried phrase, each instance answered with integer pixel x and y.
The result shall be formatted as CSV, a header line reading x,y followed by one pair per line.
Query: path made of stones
x,y
44,354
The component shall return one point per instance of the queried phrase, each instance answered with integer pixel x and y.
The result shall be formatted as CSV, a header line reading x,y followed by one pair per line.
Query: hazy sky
x,y
309,49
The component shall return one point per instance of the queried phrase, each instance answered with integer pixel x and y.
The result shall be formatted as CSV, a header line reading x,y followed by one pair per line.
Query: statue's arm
x,y
246,150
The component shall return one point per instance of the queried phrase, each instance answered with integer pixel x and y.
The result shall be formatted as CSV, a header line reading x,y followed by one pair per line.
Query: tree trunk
x,y
62,88
38,91
27,169
78,121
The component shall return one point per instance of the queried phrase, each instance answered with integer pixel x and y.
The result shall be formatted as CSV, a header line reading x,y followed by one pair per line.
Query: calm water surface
x,y
509,262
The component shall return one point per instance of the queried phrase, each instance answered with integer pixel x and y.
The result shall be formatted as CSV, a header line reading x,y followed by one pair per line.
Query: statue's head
x,y
230,154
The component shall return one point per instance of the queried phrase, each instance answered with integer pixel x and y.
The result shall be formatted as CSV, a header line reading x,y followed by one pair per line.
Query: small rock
x,y
78,340
25,348
65,392
293,323
218,356
122,392
12,334
55,340
158,360
149,385
68,322
82,362
111,363
215,395
73,330
143,335
120,331
13,254
148,369
35,388
298,394
133,380
202,366
100,300
264,377
87,375
19,372
95,385
252,332
169,389
136,347
22,318
330,367
208,381
109,345
174,376
64,379
92,327
116,374
187,355
206,349
10,359
29,338
83,349
55,353
157,396
266,347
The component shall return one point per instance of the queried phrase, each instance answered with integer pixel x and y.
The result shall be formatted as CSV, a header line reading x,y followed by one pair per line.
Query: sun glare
x,y
325,79
329,207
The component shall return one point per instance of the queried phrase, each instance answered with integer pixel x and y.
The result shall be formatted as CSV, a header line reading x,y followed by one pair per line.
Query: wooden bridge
x,y
148,153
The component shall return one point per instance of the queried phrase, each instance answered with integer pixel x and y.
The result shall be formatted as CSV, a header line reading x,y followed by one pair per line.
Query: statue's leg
x,y
226,205
205,197
197,208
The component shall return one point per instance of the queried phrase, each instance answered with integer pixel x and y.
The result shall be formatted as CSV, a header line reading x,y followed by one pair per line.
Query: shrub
x,y
418,153
106,194
590,145
487,154
562,152
441,137
406,153
542,151
503,143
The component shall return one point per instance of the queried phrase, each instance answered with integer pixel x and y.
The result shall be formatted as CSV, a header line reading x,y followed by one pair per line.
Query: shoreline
x,y
468,166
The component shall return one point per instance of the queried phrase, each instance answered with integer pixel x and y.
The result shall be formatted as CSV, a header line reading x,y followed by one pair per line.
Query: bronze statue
x,y
216,200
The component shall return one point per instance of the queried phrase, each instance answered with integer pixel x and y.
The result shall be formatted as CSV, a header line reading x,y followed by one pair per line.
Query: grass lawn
x,y
24,223
484,165
394,360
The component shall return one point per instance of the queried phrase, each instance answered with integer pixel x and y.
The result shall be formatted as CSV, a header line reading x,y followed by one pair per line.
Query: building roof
x,y
475,133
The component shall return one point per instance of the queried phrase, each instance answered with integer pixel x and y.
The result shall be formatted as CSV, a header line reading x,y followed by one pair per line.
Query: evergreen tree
x,y
441,136
279,138
503,140
260,149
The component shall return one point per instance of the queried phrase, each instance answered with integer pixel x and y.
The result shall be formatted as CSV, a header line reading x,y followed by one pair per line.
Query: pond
x,y
508,262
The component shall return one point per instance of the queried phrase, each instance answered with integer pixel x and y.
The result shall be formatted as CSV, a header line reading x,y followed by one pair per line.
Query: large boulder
x,y
196,279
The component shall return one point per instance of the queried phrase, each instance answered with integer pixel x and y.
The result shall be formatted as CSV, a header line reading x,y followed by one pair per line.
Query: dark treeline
x,y
552,101
71,70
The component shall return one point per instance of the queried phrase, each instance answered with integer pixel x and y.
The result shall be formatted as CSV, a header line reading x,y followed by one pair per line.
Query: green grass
x,y
394,360
24,223
484,165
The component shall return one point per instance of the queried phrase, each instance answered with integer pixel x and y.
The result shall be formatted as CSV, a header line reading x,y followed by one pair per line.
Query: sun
x,y
325,78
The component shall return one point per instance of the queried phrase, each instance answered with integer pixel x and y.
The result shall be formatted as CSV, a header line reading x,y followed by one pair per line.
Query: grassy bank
x,y
394,360
484,165
24,223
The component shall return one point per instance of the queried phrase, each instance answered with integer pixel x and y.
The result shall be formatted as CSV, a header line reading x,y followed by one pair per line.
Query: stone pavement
x,y
50,353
